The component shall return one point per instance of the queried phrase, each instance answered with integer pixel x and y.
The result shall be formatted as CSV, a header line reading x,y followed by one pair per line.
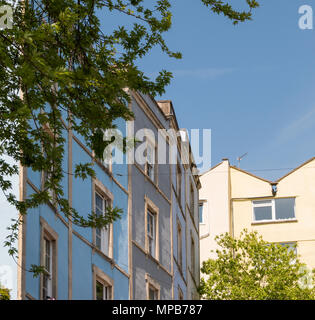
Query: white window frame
x,y
151,208
46,175
48,272
151,236
48,235
201,204
150,145
273,211
107,198
105,229
108,162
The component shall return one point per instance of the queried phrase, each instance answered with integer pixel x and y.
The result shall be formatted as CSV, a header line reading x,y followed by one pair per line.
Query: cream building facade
x,y
282,212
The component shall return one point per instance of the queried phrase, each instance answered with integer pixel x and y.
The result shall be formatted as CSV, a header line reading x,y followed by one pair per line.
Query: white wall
x,y
215,194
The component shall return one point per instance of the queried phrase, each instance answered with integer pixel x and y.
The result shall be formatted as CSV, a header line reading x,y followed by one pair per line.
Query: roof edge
x,y
295,169
212,168
252,175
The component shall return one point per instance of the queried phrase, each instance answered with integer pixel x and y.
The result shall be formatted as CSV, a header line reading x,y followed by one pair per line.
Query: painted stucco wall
x,y
33,231
192,232
246,185
159,193
82,253
299,184
242,190
180,274
130,258
173,209
214,194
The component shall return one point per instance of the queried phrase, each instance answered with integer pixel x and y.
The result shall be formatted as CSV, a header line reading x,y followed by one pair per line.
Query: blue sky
x,y
251,84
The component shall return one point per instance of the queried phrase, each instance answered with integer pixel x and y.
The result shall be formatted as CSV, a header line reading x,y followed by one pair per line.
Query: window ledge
x,y
180,269
273,221
104,255
149,255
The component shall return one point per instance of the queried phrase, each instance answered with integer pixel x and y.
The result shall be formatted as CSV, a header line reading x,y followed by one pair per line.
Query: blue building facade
x,y
81,263
151,252
185,187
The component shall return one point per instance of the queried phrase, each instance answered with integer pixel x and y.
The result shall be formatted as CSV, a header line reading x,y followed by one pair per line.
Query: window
x,y
179,246
47,178
192,199
201,220
102,235
178,181
151,238
285,208
152,287
103,285
103,291
262,210
107,160
153,293
150,160
192,256
47,276
109,151
151,223
274,209
47,174
48,258
290,245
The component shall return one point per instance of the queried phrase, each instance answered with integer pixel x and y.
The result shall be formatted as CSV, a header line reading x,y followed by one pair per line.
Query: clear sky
x,y
251,84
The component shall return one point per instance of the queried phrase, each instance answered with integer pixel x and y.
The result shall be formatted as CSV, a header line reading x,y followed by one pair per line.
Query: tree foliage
x,y
249,268
60,71
4,293
218,6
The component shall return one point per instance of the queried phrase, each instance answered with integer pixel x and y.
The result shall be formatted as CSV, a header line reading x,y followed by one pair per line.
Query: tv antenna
x,y
240,158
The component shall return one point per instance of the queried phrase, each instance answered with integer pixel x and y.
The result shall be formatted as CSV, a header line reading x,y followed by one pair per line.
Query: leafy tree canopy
x,y
4,293
249,268
59,71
